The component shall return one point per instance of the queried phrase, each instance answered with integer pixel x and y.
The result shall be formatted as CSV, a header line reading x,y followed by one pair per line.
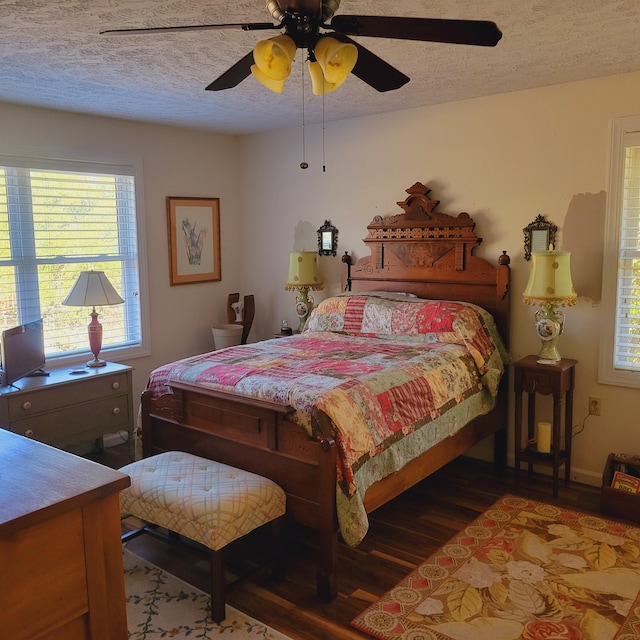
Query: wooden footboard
x,y
256,436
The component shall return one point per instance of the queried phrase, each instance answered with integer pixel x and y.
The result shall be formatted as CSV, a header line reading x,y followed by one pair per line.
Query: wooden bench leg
x,y
278,544
217,585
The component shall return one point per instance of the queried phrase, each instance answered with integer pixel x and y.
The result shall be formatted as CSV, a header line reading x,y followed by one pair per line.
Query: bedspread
x,y
388,400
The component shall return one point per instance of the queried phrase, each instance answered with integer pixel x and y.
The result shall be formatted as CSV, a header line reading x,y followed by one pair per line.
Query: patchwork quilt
x,y
395,375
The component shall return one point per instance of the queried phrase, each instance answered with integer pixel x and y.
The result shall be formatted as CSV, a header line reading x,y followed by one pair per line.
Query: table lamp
x,y
549,286
93,289
303,276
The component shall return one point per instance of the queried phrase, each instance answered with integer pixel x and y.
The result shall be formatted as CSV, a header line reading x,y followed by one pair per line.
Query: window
x,y
58,218
620,341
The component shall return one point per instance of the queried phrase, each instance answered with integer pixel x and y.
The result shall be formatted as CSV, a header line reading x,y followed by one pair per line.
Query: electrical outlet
x,y
595,406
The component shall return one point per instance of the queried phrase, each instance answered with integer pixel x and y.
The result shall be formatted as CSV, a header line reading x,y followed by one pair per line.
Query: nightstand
x,y
556,379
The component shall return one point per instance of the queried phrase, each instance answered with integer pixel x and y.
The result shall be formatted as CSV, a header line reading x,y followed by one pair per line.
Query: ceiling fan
x,y
306,21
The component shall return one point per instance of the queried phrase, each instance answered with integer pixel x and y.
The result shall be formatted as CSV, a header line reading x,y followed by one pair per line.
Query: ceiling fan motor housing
x,y
275,8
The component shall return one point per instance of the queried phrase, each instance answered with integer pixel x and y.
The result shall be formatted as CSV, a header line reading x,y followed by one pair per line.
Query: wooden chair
x,y
248,312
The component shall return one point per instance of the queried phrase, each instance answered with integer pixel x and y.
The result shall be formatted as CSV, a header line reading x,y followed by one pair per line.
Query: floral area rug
x,y
523,569
159,605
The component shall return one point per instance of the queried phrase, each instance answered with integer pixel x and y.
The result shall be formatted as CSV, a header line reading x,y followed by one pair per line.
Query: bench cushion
x,y
206,501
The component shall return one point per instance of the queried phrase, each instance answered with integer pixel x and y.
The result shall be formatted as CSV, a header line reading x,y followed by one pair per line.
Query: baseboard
x,y
577,475
586,477
114,439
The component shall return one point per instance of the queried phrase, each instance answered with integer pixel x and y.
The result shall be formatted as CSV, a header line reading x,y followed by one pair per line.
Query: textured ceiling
x,y
51,55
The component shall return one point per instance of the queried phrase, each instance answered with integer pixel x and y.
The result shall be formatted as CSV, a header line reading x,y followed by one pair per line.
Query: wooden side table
x,y
557,379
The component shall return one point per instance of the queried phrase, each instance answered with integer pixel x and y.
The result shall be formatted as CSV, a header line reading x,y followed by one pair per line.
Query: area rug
x,y
523,569
159,605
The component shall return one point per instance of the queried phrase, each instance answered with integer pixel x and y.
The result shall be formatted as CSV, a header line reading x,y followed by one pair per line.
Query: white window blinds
x,y
627,340
58,218
619,356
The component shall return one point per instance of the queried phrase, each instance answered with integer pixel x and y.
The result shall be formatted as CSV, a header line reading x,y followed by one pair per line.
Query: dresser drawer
x,y
77,423
48,399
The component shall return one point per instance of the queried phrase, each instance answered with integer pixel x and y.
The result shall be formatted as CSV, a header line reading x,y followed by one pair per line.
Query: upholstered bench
x,y
205,501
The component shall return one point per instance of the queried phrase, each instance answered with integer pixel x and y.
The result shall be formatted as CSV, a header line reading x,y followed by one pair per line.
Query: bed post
x,y
327,576
327,525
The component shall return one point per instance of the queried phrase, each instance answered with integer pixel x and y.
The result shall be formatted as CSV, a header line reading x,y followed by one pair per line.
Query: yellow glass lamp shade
x,y
273,59
336,59
277,86
319,84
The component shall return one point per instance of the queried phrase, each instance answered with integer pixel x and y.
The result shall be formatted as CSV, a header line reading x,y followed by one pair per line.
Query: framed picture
x,y
194,239
539,235
327,239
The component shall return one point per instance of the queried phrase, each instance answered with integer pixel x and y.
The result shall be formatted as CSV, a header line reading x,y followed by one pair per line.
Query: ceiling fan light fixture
x,y
274,56
336,58
319,84
277,86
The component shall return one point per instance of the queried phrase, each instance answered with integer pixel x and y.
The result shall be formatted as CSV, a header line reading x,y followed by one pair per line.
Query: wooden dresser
x,y
65,409
60,550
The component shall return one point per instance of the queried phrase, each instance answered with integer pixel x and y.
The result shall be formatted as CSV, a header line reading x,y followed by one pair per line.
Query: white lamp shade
x,y
303,271
550,279
92,289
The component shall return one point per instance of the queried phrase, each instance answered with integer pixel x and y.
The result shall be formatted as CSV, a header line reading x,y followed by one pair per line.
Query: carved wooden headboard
x,y
428,253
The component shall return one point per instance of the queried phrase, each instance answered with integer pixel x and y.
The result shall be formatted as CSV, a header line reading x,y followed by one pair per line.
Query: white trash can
x,y
226,335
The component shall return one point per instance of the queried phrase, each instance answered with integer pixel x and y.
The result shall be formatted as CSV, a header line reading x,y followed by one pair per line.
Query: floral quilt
x,y
389,396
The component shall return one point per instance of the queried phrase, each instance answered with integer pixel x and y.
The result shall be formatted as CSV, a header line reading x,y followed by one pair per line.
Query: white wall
x,y
176,162
503,159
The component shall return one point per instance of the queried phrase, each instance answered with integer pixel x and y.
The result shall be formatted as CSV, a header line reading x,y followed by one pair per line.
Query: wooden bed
x,y
419,251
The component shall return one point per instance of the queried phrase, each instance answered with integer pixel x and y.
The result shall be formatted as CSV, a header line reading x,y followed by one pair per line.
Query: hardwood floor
x,y
402,534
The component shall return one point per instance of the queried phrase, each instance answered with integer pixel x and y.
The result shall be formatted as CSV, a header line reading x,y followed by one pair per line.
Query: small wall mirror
x,y
538,235
327,239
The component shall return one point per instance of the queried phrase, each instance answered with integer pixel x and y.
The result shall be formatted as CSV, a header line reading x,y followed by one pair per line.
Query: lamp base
x,y
549,325
545,361
304,305
95,340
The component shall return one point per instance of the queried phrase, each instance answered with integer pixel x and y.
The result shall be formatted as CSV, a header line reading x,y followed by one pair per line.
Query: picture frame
x,y
539,235
327,239
194,239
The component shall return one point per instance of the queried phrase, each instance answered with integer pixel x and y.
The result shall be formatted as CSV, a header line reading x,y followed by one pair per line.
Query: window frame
x,y
623,132
131,166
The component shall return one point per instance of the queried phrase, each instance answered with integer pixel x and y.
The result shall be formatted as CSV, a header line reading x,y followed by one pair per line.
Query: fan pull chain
x,y
324,168
303,164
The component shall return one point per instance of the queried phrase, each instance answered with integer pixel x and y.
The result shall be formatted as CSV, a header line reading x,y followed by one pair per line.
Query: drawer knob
x,y
116,411
29,433
115,385
26,405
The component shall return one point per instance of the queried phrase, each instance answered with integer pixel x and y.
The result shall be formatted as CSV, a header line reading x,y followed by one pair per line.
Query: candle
x,y
544,437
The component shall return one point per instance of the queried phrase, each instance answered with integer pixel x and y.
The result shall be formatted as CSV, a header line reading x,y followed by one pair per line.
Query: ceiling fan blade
x,y
234,75
374,70
475,32
245,26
